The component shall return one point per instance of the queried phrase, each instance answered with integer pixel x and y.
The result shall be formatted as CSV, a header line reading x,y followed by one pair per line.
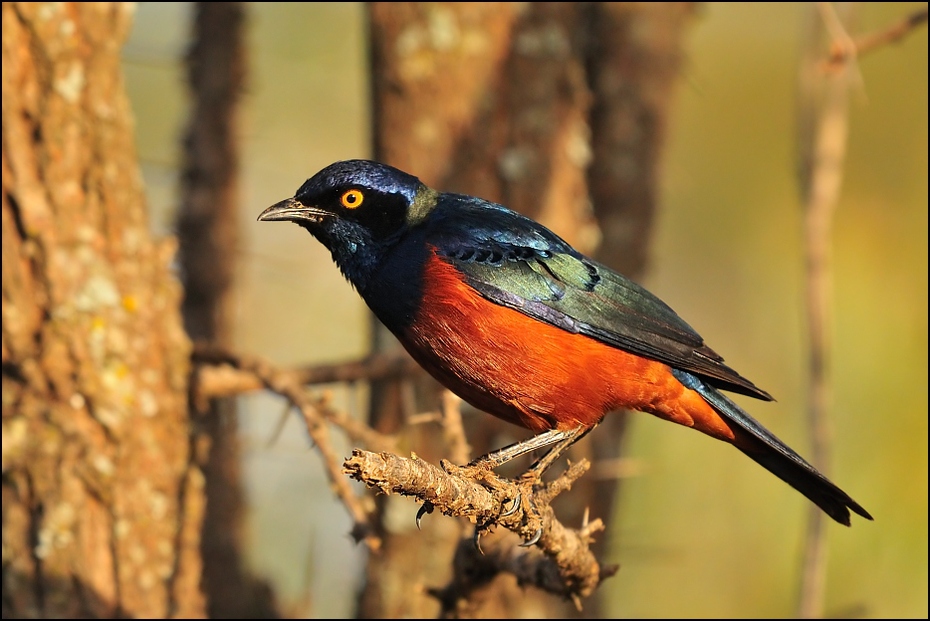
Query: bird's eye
x,y
352,199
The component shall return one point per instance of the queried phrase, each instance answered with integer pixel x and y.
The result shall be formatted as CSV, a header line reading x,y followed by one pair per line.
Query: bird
x,y
515,321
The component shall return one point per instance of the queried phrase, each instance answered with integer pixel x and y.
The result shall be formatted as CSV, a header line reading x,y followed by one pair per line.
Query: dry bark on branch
x,y
566,566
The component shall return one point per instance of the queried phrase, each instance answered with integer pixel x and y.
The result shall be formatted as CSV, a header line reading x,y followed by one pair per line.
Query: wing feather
x,y
513,261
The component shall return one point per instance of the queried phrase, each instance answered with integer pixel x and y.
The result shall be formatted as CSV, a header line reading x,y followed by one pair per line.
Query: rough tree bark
x,y
510,101
101,504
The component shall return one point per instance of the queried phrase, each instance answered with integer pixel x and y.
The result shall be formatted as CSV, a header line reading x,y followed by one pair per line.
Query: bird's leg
x,y
547,438
542,464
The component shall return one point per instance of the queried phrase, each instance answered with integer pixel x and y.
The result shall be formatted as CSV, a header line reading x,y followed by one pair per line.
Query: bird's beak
x,y
291,209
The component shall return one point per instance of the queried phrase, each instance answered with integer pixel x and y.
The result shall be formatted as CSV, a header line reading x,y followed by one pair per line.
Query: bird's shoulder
x,y
460,224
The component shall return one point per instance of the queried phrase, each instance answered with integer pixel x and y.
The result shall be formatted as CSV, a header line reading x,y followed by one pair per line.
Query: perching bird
x,y
507,315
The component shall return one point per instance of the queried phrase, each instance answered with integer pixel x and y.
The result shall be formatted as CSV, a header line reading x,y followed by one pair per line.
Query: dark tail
x,y
775,456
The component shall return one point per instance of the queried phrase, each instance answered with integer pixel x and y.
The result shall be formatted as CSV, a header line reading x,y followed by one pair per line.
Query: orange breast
x,y
533,374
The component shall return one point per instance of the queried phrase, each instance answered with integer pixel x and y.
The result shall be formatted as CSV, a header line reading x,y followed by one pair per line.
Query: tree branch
x,y
566,567
315,412
823,124
841,53
218,380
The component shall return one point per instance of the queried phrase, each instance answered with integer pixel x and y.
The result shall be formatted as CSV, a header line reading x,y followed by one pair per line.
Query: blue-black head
x,y
358,209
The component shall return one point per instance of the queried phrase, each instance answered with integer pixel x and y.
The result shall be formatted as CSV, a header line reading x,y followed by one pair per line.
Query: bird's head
x,y
358,209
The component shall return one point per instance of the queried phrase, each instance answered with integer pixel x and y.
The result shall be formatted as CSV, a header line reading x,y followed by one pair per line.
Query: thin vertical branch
x,y
206,225
208,240
823,128
823,125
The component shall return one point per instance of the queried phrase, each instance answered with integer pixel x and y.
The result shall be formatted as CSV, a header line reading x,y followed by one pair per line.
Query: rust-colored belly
x,y
533,374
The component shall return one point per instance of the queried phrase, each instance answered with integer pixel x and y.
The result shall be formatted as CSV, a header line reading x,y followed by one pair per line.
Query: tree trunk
x,y
101,504
556,110
488,99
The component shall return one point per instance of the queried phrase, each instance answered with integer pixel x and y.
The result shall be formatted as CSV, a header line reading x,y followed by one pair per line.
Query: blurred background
x,y
700,531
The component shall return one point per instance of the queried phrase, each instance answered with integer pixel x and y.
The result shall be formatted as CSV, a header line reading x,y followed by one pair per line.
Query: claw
x,y
477,541
513,509
426,507
533,540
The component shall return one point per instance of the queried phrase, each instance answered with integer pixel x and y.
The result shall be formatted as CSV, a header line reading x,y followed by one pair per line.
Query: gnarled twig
x,y
567,566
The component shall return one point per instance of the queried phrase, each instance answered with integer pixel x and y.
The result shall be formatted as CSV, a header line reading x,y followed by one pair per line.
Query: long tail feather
x,y
764,448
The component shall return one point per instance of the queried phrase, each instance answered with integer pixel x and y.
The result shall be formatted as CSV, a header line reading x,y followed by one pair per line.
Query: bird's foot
x,y
518,510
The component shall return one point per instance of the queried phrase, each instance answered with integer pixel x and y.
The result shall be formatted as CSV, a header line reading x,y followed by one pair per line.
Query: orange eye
x,y
352,199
